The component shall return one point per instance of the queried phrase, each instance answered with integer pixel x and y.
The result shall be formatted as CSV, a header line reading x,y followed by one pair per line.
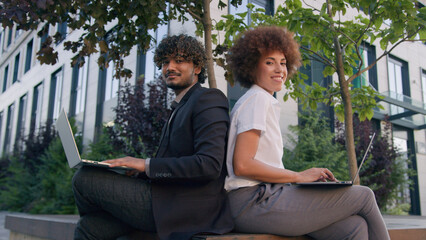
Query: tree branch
x,y
323,59
325,97
186,8
386,52
369,23
311,6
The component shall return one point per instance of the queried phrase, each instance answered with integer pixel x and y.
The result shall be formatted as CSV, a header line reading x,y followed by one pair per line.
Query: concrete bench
x,y
61,227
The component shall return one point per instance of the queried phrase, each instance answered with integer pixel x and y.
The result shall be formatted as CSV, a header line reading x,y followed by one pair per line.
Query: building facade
x,y
32,94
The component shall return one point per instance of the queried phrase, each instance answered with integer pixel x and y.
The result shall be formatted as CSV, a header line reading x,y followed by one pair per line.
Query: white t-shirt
x,y
256,109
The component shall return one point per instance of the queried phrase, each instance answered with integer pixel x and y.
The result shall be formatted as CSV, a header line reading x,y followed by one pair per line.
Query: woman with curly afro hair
x,y
260,190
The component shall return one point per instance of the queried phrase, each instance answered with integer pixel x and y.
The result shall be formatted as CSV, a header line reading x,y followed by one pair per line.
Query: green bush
x,y
140,115
313,146
104,148
20,176
386,172
401,209
17,186
37,177
54,195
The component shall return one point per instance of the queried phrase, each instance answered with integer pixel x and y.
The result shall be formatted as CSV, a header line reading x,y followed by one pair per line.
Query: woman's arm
x,y
245,165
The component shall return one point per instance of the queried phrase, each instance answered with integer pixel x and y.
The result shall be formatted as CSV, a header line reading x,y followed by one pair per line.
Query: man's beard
x,y
182,85
179,86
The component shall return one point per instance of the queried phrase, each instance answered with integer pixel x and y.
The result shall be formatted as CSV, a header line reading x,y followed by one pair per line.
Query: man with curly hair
x,y
179,192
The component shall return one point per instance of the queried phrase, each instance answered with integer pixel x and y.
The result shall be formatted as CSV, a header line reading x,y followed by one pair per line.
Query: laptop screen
x,y
67,139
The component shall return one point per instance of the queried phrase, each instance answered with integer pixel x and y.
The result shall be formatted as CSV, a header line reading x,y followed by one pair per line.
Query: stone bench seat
x,y
61,227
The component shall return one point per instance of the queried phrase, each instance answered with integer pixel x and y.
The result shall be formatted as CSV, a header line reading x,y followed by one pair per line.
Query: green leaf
x,y
221,5
242,15
340,116
422,33
312,104
370,114
378,23
285,97
328,71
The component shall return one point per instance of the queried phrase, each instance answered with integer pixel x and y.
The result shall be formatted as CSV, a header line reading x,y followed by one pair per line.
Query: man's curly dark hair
x,y
244,56
183,46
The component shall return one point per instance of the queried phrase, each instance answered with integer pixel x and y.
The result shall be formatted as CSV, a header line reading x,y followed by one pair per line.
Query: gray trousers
x,y
110,204
320,212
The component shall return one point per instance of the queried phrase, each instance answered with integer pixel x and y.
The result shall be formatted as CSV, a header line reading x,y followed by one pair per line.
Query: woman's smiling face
x,y
271,71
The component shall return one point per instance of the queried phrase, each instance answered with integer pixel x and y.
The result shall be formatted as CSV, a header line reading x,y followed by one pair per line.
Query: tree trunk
x,y
207,24
349,130
347,104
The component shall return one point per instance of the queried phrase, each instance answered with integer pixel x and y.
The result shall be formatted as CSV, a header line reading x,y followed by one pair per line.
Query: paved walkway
x,y
405,222
392,222
4,233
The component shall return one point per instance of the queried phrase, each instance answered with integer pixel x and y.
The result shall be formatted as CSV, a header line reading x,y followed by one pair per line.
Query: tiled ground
x,y
4,233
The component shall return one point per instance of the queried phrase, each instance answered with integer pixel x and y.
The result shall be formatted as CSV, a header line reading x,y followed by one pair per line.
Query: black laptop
x,y
341,183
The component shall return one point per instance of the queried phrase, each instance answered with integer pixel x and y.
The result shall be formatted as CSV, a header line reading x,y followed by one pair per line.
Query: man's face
x,y
179,73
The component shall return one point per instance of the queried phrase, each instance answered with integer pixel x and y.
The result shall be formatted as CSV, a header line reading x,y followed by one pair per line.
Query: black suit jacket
x,y
189,169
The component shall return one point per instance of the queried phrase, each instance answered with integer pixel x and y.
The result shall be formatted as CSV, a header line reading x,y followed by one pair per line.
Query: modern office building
x,y
31,93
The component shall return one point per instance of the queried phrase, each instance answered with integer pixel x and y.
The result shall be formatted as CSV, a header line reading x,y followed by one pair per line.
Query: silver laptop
x,y
70,147
341,183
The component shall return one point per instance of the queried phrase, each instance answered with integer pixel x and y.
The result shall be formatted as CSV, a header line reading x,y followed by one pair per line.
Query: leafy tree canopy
x,y
132,22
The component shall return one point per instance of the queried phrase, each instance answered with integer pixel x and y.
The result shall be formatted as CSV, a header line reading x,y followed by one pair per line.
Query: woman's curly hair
x,y
244,56
183,46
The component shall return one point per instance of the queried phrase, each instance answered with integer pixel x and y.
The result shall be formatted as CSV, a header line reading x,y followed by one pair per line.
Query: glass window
x,y
424,85
5,76
1,41
16,69
423,77
368,78
148,68
314,71
111,82
18,33
36,108
8,130
43,37
395,76
9,37
29,55
397,83
78,88
107,90
364,79
21,117
55,97
62,29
